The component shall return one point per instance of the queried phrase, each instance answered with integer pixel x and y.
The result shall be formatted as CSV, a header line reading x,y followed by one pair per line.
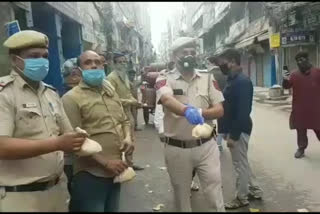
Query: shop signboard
x,y
12,28
297,38
275,40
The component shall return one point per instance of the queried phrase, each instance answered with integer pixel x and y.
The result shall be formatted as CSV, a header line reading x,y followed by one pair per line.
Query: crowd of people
x,y
40,170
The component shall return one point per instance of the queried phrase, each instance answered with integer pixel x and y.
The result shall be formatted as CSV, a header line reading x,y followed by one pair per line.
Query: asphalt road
x,y
289,184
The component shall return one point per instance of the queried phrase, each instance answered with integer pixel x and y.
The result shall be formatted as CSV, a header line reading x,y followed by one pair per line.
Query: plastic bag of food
x,y
127,175
89,147
202,131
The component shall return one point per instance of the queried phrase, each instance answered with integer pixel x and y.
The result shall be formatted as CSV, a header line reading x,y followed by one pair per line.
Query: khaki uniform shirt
x,y
125,94
122,90
34,115
134,89
201,92
100,113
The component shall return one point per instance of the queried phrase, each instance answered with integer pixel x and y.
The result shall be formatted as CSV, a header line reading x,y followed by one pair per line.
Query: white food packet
x,y
127,175
89,147
202,131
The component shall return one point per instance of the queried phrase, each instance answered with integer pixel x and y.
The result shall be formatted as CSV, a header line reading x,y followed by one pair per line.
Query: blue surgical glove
x,y
193,115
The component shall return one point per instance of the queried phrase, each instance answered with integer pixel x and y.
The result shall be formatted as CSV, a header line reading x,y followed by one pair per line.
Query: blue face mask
x,y
36,69
93,77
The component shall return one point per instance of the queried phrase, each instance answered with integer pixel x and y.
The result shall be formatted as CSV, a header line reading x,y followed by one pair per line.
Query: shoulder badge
x,y
202,70
6,80
49,86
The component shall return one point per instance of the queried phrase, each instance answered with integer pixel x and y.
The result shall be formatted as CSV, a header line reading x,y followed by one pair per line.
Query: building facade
x,y
73,27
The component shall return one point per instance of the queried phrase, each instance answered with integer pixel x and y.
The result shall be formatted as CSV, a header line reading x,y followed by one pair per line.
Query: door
x,y
259,71
267,69
253,73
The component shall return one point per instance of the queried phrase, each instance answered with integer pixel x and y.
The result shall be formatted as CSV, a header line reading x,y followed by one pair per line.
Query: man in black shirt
x,y
237,124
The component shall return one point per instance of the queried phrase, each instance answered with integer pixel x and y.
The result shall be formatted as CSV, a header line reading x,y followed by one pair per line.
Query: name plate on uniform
x,y
29,105
177,92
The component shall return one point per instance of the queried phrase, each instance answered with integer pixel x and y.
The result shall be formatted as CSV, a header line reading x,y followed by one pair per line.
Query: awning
x,y
250,40
264,36
245,43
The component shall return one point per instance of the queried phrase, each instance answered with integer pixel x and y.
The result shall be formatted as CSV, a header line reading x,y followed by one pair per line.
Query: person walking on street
x,y
186,102
71,77
120,81
34,131
305,83
237,124
94,106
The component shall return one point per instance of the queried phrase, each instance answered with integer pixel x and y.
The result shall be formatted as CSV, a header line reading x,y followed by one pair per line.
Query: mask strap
x,y
17,66
19,58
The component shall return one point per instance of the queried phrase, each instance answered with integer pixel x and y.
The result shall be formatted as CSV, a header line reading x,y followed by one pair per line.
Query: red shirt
x,y
306,99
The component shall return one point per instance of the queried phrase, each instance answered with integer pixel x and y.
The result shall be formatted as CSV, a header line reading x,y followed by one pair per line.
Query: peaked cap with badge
x,y
26,39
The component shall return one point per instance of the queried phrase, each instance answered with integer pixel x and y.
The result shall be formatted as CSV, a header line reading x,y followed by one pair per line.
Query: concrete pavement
x,y
289,184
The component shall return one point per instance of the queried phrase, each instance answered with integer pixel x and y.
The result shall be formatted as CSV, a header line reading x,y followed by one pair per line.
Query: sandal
x,y
236,203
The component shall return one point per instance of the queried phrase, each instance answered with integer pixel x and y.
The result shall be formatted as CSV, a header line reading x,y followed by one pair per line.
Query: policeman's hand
x,y
134,102
286,74
193,115
70,142
116,167
230,143
139,105
127,146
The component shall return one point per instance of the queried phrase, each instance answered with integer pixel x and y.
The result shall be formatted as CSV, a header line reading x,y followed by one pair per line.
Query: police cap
x,y
117,55
183,42
25,39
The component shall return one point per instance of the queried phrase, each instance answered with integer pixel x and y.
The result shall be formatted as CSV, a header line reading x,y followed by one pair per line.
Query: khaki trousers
x,y
55,199
132,132
205,159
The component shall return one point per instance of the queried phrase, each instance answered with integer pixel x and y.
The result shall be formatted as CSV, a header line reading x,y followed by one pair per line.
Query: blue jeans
x,y
68,170
220,139
94,194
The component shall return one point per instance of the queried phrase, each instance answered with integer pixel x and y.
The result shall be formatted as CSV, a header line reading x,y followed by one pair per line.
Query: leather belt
x,y
32,187
186,144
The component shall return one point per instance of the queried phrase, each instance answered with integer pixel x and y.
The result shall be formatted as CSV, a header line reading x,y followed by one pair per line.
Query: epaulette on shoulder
x,y
50,86
202,70
6,80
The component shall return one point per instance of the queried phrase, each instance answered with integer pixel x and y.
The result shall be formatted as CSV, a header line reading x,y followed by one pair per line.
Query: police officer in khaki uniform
x,y
33,131
96,108
190,98
134,91
120,81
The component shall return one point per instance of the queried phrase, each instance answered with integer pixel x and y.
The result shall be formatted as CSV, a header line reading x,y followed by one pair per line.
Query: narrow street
x,y
289,184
